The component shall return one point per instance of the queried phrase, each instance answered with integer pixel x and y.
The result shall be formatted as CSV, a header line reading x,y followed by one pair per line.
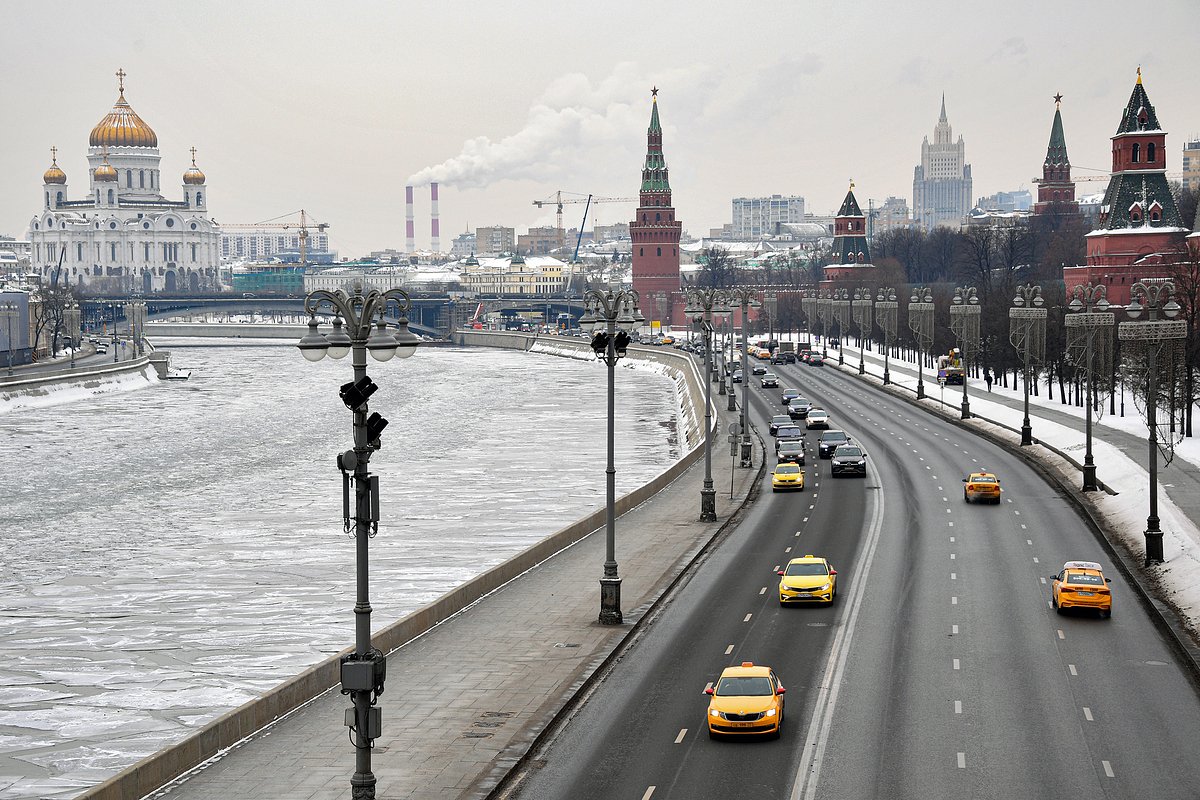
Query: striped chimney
x,y
435,243
410,241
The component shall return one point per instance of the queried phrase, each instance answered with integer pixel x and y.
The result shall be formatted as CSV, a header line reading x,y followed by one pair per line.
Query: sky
x,y
333,107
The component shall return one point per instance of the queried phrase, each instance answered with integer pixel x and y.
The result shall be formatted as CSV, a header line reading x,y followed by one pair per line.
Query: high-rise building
x,y
1056,190
1140,230
889,215
1191,165
655,231
756,217
495,240
942,184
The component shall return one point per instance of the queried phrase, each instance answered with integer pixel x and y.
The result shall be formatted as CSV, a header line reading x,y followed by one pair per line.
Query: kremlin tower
x,y
1056,190
1140,229
655,231
851,252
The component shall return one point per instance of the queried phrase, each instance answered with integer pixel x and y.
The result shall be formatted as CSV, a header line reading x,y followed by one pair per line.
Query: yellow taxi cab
x,y
981,486
809,579
746,699
1081,584
787,476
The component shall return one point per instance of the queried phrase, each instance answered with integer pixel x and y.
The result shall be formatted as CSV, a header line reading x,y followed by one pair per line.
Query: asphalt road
x,y
941,671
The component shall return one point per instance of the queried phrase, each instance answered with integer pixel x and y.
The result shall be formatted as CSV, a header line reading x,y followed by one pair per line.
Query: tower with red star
x,y
1056,190
655,231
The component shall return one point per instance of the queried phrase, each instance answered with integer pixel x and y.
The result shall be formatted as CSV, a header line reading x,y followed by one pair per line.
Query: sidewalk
x,y
466,700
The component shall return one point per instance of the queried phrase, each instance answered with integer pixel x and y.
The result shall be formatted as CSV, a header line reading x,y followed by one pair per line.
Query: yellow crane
x,y
303,227
560,202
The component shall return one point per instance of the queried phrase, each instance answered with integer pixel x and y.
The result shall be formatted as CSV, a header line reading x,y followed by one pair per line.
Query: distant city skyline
x,y
335,113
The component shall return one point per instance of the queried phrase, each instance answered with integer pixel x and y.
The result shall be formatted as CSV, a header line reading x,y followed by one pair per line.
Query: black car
x,y
788,433
829,441
770,381
737,376
788,395
789,358
779,419
799,407
815,360
778,359
758,369
848,459
791,450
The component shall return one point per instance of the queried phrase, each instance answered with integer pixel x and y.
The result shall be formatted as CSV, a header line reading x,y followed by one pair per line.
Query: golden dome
x,y
105,172
122,127
193,176
54,174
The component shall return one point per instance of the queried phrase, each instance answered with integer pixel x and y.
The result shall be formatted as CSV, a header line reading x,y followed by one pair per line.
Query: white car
x,y
817,418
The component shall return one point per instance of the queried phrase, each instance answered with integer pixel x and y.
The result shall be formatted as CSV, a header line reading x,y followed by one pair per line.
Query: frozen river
x,y
171,552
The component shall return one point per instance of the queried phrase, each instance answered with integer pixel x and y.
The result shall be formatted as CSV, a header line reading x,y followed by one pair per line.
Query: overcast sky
x,y
334,106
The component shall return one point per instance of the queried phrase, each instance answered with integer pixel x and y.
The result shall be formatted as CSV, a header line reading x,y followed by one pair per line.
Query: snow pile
x,y
15,397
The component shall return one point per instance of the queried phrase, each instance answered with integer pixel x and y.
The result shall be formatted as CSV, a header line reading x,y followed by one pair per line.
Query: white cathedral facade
x,y
122,235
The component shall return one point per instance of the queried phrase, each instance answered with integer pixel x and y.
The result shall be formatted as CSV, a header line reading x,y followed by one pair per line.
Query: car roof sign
x,y
1083,565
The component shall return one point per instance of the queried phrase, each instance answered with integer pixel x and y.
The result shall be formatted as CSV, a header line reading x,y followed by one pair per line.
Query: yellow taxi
x,y
1081,584
981,486
787,476
809,579
746,700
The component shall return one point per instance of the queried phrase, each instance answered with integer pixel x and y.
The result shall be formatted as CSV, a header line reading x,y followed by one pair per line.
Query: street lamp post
x,y
861,306
613,315
1151,341
1027,335
771,300
920,322
840,306
71,321
808,304
137,325
363,671
964,323
10,312
746,297
701,304
1089,341
887,309
825,315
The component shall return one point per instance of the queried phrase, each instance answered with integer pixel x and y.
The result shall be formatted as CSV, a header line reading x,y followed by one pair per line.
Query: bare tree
x,y
717,269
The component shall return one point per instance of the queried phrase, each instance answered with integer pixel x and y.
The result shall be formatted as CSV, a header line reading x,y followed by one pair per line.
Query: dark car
x,y
788,395
848,459
758,369
829,441
779,419
791,450
770,381
799,407
815,360
778,358
789,358
737,376
788,433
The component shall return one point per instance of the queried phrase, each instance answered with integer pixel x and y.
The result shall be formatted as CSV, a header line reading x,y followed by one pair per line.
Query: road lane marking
x,y
962,764
763,590
787,549
958,706
1073,671
729,650
1035,560
1087,714
952,556
803,520
649,792
951,540
1061,635
945,499
777,568
1024,528
956,663
954,600
1018,513
953,576
947,511
707,686
951,524
953,630
797,534
1043,580
1108,769
747,619
682,733
808,771
1029,542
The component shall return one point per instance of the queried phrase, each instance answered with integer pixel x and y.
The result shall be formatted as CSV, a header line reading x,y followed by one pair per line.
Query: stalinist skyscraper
x,y
942,184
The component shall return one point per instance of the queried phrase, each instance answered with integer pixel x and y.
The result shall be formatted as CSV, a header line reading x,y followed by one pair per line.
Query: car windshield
x,y
789,430
791,447
816,412
1084,578
744,687
848,452
786,469
806,569
834,436
781,418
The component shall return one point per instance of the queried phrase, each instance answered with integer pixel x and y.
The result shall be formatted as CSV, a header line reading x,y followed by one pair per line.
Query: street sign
x,y
735,428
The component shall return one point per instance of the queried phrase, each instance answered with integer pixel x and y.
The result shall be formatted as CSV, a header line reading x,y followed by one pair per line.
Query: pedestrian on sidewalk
x,y
987,378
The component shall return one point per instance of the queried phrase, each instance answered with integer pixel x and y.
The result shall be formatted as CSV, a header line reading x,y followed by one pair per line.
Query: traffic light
x,y
375,426
356,393
600,342
621,343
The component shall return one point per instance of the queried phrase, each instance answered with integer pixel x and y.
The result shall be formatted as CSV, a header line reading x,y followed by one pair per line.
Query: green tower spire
x,y
654,173
1056,151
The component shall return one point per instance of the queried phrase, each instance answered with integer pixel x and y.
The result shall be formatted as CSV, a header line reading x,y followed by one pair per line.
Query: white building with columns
x,y
122,234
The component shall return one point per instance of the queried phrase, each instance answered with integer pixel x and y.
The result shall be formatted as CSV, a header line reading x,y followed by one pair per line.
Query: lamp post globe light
x,y
1027,335
964,323
1150,342
358,328
1089,344
887,310
612,315
920,322
701,305
860,307
745,296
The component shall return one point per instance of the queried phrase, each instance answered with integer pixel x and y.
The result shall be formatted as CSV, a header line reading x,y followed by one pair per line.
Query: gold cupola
x,y
105,171
54,174
122,127
193,176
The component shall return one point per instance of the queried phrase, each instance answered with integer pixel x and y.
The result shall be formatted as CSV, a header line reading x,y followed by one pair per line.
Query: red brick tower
x,y
1140,229
655,231
1056,190
851,251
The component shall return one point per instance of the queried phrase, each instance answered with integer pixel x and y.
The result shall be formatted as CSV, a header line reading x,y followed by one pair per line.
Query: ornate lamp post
x,y
746,297
1089,343
964,323
10,312
136,312
614,315
860,307
887,310
1151,344
1027,335
825,316
702,303
116,350
920,322
71,317
772,303
808,304
840,305
362,672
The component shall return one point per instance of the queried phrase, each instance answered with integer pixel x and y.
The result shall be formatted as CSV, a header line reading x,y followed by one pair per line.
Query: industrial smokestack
x,y
410,242
434,232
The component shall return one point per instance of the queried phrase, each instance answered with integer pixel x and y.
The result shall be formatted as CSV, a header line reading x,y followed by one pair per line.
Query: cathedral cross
x,y
121,79
193,156
54,154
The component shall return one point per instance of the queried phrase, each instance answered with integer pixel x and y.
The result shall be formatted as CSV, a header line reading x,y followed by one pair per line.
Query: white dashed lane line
x,y
682,733
956,664
953,576
962,764
958,706
747,619
649,792
1074,672
729,650
1108,770
1087,714
763,590
1061,635
954,630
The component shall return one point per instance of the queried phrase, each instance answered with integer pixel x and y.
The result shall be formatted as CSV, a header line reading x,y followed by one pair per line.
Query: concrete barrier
x,y
227,730
94,377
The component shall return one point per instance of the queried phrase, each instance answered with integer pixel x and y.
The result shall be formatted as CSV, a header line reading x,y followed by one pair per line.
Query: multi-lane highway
x,y
941,671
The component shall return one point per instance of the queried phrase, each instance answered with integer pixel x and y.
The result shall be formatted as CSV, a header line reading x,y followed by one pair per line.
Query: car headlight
x,y
770,712
714,712
824,588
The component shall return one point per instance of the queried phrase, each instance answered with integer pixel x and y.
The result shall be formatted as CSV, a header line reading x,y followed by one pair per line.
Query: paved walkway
x,y
466,700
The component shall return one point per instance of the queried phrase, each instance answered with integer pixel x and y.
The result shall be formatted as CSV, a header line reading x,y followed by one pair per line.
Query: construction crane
x,y
303,226
560,202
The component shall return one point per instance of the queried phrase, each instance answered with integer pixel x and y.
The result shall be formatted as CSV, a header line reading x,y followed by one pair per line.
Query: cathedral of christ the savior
x,y
122,235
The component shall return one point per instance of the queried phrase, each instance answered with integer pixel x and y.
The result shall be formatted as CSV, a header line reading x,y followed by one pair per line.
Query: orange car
x,y
981,486
1081,584
745,700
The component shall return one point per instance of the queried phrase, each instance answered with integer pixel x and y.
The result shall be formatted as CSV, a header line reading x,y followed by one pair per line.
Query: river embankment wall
x,y
226,731
67,383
